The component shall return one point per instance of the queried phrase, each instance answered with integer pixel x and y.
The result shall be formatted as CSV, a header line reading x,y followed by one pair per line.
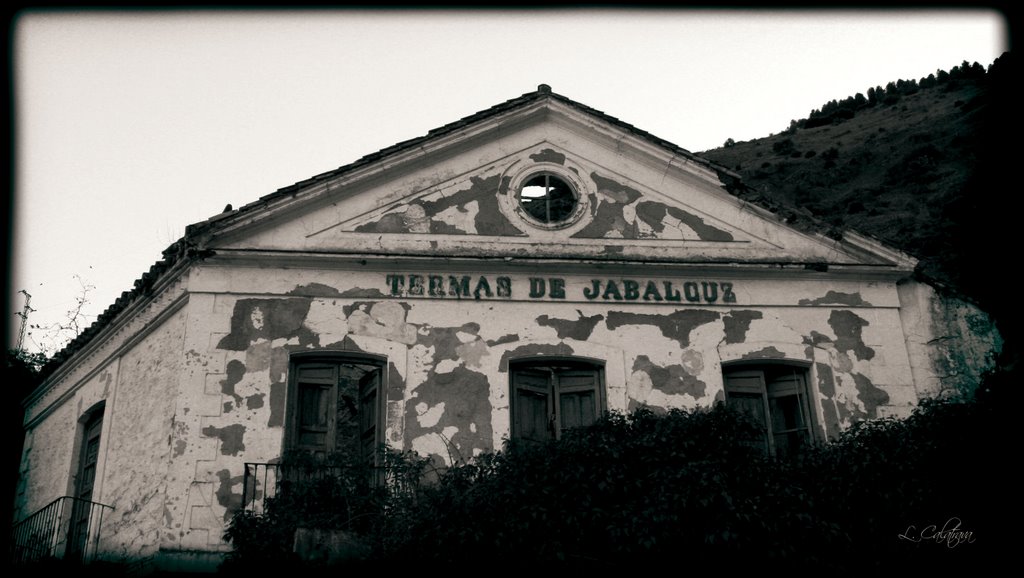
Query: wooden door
x,y
85,481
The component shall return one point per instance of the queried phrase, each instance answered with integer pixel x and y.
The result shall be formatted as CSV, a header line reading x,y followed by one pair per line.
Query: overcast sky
x,y
131,125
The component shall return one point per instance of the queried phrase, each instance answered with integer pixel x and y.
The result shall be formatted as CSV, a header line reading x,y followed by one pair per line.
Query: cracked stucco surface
x,y
447,385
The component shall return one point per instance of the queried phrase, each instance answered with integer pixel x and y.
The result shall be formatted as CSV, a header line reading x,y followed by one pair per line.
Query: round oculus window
x,y
547,198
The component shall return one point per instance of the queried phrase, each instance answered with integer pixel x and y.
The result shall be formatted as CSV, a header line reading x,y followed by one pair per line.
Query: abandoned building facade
x,y
509,275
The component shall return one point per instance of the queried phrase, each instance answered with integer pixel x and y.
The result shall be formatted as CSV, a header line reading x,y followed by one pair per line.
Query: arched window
x,y
776,396
551,396
335,403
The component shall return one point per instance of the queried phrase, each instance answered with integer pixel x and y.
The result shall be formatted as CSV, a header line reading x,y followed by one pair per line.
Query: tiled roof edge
x,y
184,248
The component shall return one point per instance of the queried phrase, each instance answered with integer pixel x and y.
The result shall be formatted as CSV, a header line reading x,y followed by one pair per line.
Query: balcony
x,y
67,528
267,480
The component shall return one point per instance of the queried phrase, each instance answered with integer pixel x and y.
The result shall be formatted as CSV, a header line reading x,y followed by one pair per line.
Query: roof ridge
x,y
183,248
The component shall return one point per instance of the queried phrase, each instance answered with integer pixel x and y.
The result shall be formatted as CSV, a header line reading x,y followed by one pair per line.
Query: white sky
x,y
131,125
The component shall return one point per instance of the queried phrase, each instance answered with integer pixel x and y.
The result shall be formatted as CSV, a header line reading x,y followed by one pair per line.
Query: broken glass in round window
x,y
547,198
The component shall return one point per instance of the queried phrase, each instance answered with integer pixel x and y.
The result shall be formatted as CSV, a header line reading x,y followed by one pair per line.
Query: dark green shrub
x,y
649,488
783,147
334,494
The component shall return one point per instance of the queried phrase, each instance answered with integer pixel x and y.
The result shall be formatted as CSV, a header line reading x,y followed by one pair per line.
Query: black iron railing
x,y
67,528
265,480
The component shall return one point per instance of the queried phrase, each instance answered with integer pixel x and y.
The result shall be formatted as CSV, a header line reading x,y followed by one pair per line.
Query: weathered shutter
x,y
745,390
787,403
578,401
316,415
369,391
532,404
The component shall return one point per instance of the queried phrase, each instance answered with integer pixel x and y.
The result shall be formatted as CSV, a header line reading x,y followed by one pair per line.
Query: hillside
x,y
924,168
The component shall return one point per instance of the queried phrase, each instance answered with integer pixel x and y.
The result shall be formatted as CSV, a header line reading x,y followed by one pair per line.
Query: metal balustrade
x,y
67,528
266,480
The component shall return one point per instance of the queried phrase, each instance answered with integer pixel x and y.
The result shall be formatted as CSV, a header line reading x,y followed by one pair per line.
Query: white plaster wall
x,y
436,339
447,392
50,450
45,462
137,428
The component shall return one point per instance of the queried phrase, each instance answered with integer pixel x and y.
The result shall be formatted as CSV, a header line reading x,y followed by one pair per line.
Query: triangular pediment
x,y
461,194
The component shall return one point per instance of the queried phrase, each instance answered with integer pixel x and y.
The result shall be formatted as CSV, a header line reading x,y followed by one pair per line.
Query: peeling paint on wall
x,y
770,352
848,415
456,397
471,211
676,326
384,319
548,156
267,319
847,326
446,341
534,350
653,214
816,339
870,395
326,291
608,206
279,363
254,401
314,290
671,379
473,352
461,402
837,298
737,323
230,438
278,395
396,383
404,222
621,213
226,496
235,371
578,329
620,193
828,410
507,338
358,292
257,356
827,389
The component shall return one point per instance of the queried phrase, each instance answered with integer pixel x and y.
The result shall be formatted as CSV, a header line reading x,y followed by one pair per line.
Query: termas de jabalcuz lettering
x,y
483,287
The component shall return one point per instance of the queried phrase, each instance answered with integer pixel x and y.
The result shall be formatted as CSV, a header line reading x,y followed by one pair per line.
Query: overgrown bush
x,y
783,147
687,487
337,493
627,485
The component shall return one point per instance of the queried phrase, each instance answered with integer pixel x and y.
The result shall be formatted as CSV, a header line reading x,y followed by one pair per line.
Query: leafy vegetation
x,y
922,165
21,376
337,494
687,487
